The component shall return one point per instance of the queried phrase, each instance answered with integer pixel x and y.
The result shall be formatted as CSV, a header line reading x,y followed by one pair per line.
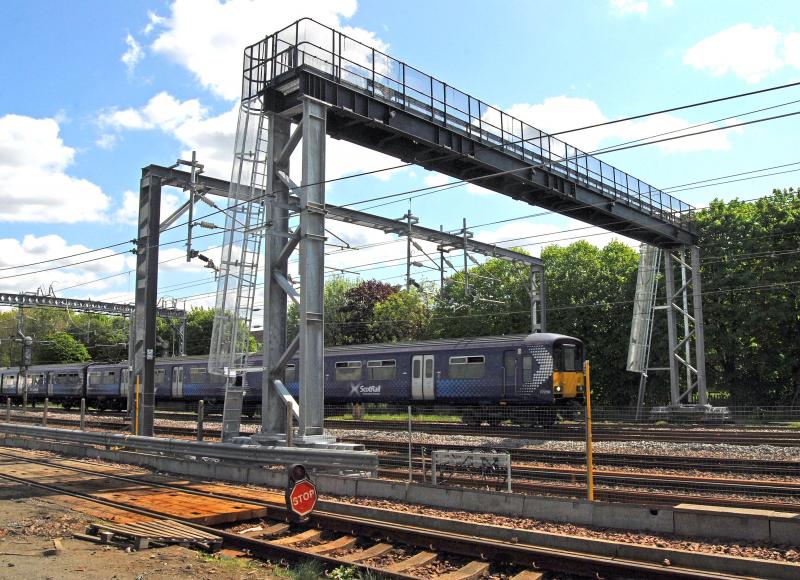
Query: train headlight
x,y
558,389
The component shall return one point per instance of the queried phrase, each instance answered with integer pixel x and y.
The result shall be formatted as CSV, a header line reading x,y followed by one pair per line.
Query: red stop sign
x,y
302,497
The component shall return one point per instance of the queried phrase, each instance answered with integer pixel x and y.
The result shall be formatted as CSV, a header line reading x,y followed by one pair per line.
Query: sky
x,y
92,91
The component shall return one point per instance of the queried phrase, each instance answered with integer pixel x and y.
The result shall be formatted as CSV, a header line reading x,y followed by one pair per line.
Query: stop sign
x,y
302,497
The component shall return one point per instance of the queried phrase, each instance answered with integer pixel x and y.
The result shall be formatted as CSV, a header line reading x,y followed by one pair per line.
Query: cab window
x,y
567,357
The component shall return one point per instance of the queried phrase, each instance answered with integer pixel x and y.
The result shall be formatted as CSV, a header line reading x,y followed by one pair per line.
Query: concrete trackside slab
x,y
721,526
445,497
347,486
557,510
620,516
381,489
507,504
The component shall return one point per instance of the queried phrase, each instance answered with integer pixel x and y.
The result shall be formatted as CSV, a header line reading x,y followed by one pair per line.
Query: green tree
x,y
335,317
751,307
403,315
59,347
199,326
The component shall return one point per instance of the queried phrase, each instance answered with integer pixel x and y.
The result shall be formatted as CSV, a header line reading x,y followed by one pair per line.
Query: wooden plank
x,y
474,569
306,536
275,530
529,575
419,559
372,552
337,544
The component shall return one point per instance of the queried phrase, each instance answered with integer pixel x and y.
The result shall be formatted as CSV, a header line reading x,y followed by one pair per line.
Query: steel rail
x,y
507,552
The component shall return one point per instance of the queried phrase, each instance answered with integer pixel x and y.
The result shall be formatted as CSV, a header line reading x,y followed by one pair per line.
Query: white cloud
x,y
128,211
208,37
133,54
153,21
106,141
623,7
213,137
561,113
745,51
16,255
162,111
34,186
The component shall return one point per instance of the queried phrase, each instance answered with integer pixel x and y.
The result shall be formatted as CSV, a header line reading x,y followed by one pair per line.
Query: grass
x,y
229,564
304,570
793,425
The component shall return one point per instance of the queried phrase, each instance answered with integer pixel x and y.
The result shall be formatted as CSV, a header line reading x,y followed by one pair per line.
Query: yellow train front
x,y
558,374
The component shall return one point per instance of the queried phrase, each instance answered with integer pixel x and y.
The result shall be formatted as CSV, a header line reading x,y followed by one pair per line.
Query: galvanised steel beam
x,y
111,308
273,416
315,458
144,344
220,187
312,272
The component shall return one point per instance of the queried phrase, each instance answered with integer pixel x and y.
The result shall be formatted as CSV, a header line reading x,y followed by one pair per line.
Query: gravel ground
x,y
670,449
737,549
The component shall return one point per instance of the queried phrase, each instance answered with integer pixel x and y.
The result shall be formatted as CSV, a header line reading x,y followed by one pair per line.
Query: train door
x,y
509,373
125,384
422,377
177,382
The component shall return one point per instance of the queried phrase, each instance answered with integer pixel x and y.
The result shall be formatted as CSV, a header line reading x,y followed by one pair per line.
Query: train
x,y
488,378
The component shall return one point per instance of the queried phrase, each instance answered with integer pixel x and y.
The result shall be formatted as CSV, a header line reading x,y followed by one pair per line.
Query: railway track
x,y
373,546
618,486
617,432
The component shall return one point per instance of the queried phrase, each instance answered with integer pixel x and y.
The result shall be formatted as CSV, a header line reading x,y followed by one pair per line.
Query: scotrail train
x,y
489,377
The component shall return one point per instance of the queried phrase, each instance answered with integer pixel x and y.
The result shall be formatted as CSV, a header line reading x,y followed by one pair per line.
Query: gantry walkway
x,y
386,105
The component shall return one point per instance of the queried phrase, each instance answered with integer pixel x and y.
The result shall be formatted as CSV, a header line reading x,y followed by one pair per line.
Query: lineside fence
x,y
544,451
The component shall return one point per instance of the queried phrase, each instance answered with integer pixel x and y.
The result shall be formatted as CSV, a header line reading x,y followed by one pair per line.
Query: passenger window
x,y
109,377
466,367
348,370
527,369
197,375
416,369
291,373
161,375
428,368
381,370
510,364
94,378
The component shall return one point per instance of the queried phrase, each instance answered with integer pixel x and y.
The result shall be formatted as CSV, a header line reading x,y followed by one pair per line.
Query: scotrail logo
x,y
364,390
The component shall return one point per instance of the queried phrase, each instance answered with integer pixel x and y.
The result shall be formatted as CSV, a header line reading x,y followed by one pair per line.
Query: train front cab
x,y
568,379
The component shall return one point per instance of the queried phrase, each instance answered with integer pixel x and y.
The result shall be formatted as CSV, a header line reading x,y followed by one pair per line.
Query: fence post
x,y
433,467
508,473
8,409
201,413
410,463
589,466
83,414
44,412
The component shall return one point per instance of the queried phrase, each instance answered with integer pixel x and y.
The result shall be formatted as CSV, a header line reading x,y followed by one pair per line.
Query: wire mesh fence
x,y
750,461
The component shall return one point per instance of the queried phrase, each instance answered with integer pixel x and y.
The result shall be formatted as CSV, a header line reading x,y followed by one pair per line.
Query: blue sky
x,y
93,90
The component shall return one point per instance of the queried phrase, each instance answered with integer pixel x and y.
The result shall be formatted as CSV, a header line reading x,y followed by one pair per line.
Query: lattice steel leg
x,y
273,409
